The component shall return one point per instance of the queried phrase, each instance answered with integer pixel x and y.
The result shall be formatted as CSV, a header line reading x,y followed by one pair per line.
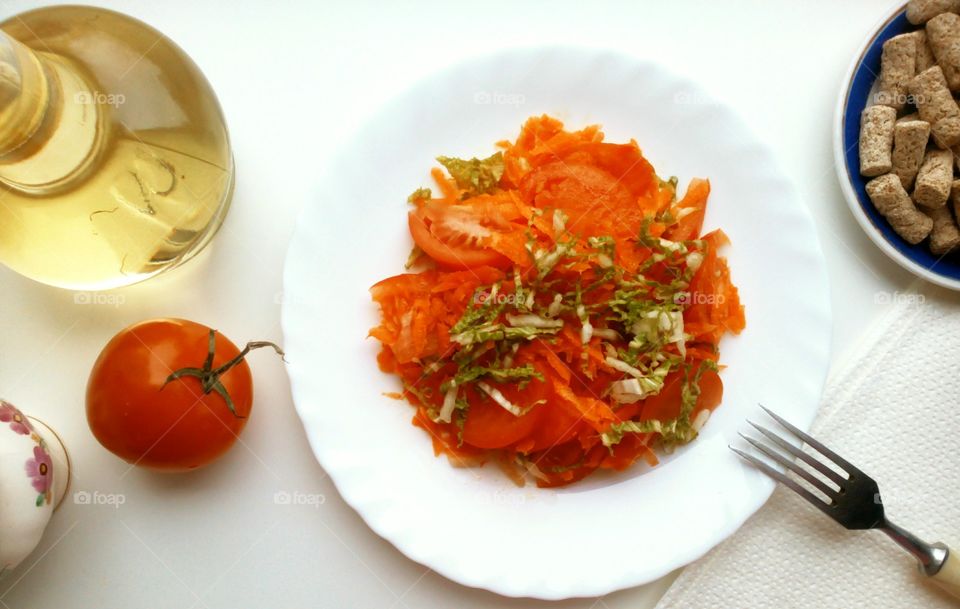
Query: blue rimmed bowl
x,y
859,81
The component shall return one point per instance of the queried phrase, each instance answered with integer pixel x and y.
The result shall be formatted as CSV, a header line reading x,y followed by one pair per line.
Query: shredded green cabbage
x,y
475,176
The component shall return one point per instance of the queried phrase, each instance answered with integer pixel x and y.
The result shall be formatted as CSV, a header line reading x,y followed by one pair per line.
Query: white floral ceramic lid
x,y
29,485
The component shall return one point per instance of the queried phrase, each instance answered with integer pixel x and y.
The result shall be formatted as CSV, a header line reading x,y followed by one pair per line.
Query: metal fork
x,y
853,500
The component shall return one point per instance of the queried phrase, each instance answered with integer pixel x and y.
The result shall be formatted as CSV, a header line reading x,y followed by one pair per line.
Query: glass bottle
x,y
115,163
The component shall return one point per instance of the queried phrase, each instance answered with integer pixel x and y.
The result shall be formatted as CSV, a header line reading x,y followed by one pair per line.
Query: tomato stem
x,y
210,378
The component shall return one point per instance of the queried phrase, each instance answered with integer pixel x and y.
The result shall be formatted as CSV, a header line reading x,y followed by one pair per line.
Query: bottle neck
x,y
24,96
50,121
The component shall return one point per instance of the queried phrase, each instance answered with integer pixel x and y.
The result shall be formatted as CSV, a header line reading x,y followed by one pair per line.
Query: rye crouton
x,y
876,140
909,147
894,204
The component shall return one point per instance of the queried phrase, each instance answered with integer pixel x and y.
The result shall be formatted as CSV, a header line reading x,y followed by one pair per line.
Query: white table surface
x,y
295,79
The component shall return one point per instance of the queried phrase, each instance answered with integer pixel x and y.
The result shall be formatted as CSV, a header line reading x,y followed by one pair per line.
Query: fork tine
x,y
806,457
792,484
843,463
792,466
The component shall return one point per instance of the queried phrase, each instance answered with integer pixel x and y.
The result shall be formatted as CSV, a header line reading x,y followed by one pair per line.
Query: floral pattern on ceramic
x,y
39,467
18,423
40,470
34,471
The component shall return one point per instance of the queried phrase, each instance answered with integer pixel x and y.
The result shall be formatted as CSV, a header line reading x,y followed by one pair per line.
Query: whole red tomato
x,y
170,394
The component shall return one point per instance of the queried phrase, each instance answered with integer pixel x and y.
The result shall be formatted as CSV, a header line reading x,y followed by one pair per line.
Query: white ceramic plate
x,y
473,526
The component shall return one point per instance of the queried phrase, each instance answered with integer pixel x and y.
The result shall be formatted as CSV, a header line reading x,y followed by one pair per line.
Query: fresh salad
x,y
562,312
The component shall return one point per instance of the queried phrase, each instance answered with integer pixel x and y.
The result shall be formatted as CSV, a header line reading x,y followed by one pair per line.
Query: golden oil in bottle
x,y
115,162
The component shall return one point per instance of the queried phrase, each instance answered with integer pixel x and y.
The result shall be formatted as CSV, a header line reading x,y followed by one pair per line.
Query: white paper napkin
x,y
894,411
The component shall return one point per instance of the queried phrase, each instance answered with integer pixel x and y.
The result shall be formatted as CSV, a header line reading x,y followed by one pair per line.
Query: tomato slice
x,y
594,202
450,248
559,426
489,425
666,404
463,236
623,162
711,391
567,463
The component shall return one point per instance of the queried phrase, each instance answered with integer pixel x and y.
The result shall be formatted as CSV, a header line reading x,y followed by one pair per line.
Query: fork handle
x,y
948,577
